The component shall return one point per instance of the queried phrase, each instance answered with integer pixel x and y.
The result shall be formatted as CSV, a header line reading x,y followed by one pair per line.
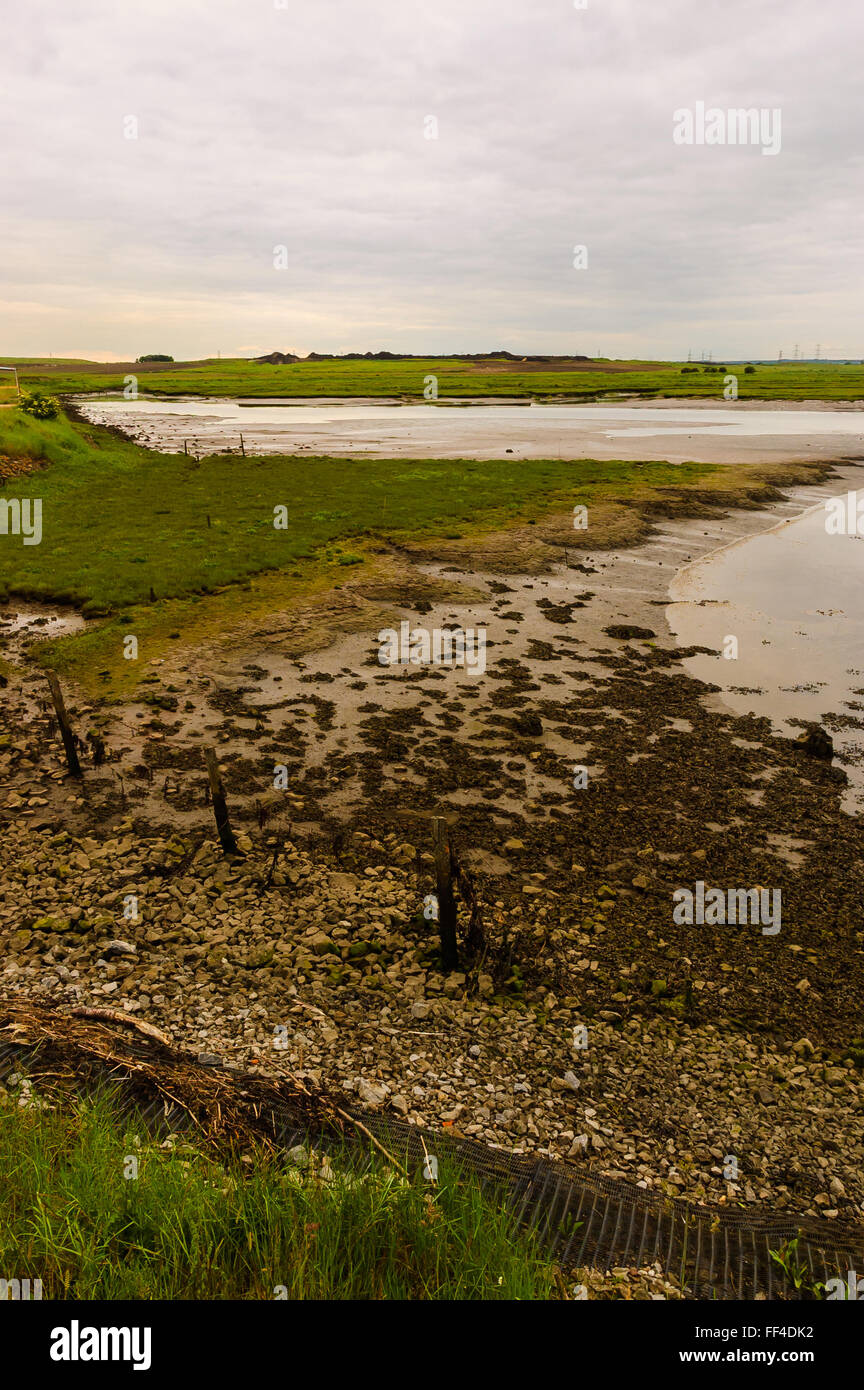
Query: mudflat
x,y
739,432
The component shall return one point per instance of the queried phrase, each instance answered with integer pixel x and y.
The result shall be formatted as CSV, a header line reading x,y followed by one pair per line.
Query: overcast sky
x,y
303,124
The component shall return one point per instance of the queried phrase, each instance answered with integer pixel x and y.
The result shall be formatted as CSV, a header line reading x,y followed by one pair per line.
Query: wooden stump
x,y
446,901
220,805
65,727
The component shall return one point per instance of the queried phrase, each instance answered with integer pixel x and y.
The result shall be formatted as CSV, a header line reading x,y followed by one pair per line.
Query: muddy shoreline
x,y
707,430
703,1042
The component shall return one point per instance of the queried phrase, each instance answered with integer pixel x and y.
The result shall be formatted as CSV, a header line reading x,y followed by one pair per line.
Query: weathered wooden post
x,y
446,901
242,447
65,727
220,806
475,937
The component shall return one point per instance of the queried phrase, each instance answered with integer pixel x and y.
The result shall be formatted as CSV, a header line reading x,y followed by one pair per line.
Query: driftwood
x,y
115,1016
225,1109
89,1046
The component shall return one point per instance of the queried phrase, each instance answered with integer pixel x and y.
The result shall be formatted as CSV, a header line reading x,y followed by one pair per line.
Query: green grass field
x,y
456,377
189,1226
120,520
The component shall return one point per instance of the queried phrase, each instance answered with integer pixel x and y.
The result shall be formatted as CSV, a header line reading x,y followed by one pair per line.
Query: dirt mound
x,y
16,467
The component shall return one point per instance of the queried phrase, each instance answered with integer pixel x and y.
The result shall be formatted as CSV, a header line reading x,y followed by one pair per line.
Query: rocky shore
x,y
710,1062
331,973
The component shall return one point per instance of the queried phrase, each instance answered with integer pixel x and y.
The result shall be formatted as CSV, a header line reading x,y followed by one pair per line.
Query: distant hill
x,y
277,358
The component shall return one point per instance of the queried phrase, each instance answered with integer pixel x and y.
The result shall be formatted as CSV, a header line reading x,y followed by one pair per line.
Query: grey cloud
x,y
304,126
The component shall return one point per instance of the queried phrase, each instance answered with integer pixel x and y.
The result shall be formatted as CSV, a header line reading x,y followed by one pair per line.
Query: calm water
x,y
793,598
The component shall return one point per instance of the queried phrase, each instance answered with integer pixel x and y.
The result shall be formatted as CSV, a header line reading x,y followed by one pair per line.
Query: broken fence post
x,y
220,806
65,727
446,901
475,937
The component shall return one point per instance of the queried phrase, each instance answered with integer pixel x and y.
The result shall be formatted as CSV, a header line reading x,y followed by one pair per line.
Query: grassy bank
x,y
456,377
122,523
176,550
189,1227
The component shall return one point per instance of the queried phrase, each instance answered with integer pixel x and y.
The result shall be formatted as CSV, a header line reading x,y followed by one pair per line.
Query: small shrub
x,y
40,406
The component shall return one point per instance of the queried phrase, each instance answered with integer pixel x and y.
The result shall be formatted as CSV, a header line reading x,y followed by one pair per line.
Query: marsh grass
x,y
251,1227
456,377
120,520
178,549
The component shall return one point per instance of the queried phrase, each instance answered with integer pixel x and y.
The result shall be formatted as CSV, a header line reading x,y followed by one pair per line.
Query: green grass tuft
x,y
189,1227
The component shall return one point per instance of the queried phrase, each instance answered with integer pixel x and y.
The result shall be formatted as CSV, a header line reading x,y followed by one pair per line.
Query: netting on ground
x,y
585,1219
